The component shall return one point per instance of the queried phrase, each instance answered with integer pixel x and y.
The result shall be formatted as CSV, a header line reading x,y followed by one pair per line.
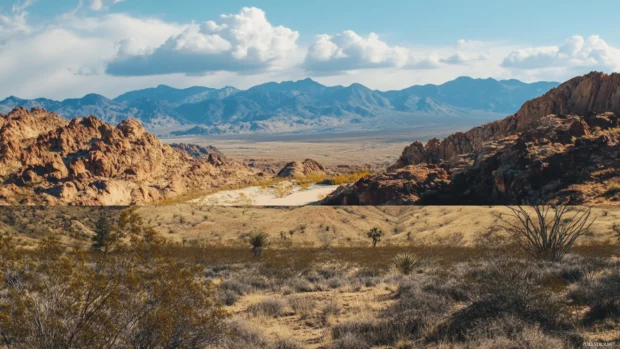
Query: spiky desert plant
x,y
406,262
258,242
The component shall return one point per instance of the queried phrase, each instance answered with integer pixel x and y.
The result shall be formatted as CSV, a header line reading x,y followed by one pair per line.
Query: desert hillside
x,y
560,148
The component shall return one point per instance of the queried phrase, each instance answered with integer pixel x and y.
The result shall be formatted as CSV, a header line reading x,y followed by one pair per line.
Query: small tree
x,y
291,233
375,234
550,232
616,228
258,242
103,230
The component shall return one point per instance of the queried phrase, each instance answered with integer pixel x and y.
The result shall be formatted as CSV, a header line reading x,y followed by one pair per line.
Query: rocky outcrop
x,y
301,169
85,161
406,186
561,148
200,152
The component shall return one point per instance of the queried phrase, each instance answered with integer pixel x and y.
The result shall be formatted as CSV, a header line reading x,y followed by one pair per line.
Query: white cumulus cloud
x,y
350,51
576,53
243,42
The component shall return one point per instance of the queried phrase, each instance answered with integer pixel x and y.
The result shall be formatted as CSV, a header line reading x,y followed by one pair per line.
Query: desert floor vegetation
x,y
273,292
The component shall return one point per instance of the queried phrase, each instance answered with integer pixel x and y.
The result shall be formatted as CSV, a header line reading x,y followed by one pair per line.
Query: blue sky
x,y
67,48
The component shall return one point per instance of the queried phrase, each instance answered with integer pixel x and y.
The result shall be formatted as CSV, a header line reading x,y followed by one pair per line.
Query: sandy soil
x,y
268,196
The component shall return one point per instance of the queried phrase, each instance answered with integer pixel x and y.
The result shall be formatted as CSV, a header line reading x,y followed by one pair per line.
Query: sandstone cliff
x,y
45,159
562,147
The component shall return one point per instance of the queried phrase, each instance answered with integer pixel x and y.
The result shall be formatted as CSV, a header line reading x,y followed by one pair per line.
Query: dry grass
x,y
467,287
402,225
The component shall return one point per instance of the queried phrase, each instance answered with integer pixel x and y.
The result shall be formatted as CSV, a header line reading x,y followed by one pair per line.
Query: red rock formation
x,y
563,147
86,161
588,95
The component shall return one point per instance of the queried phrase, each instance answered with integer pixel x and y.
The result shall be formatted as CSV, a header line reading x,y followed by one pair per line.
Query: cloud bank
x,y
350,51
93,49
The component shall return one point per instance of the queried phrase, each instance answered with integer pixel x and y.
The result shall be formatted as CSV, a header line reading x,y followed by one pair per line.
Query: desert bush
x,y
239,335
282,189
349,178
601,294
550,232
574,268
510,332
370,332
415,311
302,306
287,344
268,307
406,262
326,238
349,341
448,286
229,297
335,282
131,296
329,309
300,284
501,288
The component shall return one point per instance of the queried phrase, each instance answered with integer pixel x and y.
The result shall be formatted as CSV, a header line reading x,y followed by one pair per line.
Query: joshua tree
x,y
549,232
291,233
375,234
258,242
616,228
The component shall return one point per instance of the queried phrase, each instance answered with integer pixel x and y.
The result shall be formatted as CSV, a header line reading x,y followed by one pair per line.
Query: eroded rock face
x,y
301,168
199,152
587,96
562,147
85,161
405,186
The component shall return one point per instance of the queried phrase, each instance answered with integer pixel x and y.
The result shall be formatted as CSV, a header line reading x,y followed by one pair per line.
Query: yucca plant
x,y
258,242
406,262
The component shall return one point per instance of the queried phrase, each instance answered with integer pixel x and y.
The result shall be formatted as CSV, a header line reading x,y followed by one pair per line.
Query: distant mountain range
x,y
299,106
